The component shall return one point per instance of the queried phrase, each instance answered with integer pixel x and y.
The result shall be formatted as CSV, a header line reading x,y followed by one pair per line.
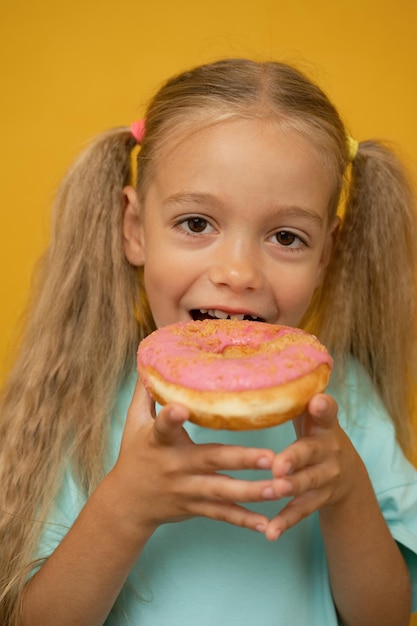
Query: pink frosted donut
x,y
237,375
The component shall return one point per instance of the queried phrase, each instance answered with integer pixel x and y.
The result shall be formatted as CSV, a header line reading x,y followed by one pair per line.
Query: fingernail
x,y
177,413
268,493
260,528
321,404
264,462
273,537
283,486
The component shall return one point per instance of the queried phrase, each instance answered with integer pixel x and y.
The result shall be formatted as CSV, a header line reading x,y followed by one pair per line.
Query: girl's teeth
x,y
221,315
218,314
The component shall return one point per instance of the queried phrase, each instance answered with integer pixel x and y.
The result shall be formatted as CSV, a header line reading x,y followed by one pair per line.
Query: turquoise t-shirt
x,y
206,573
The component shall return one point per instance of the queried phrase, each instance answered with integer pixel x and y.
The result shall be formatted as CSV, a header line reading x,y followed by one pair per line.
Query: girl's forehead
x,y
188,136
246,161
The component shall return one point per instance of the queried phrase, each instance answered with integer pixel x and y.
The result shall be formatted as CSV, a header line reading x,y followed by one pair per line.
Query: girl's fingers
x,y
321,415
323,409
315,470
304,452
191,476
219,487
209,458
168,426
204,458
310,464
167,431
195,473
233,514
311,479
319,438
141,410
293,513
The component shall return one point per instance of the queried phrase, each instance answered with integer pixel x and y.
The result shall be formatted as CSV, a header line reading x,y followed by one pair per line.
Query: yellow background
x,y
72,69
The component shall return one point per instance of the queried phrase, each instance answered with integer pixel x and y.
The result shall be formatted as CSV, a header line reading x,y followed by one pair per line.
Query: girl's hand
x,y
322,472
165,477
317,471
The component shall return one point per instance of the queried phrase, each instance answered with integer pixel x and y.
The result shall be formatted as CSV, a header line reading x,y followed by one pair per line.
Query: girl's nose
x,y
236,267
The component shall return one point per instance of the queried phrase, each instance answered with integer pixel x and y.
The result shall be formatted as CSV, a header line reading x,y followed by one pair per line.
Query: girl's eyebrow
x,y
202,199
206,200
295,212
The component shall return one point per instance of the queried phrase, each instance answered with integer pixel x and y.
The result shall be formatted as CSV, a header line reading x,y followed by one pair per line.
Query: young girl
x,y
111,514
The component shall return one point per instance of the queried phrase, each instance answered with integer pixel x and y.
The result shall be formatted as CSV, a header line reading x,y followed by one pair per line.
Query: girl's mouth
x,y
212,314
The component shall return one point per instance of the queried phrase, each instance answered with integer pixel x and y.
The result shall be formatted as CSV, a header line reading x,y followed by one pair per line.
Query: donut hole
x,y
238,351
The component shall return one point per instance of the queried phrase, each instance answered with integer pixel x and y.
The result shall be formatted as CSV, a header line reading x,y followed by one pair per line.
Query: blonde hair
x,y
367,304
89,310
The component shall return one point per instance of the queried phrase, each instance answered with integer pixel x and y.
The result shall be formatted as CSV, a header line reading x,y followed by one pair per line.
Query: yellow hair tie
x,y
353,147
134,165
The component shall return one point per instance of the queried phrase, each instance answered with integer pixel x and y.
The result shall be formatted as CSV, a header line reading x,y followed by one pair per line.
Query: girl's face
x,y
234,223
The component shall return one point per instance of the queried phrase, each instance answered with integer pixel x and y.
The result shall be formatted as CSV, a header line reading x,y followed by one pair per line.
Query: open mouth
x,y
215,314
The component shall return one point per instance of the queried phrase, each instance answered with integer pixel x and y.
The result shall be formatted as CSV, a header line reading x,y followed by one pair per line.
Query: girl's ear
x,y
133,239
328,248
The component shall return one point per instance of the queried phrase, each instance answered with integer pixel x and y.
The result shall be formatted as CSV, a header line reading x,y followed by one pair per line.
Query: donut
x,y
234,374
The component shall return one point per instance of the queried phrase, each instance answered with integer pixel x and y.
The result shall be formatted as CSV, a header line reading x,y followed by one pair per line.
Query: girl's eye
x,y
288,239
194,225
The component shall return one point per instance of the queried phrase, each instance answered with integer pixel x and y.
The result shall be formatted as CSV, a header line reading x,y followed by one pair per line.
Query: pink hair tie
x,y
138,130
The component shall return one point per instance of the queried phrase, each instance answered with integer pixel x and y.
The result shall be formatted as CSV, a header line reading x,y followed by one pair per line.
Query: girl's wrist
x,y
356,497
122,513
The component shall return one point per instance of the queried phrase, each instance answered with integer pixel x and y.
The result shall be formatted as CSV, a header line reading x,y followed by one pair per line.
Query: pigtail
x,y
57,400
371,291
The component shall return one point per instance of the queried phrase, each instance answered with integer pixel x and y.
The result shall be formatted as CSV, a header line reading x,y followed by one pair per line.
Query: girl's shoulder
x,y
367,423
